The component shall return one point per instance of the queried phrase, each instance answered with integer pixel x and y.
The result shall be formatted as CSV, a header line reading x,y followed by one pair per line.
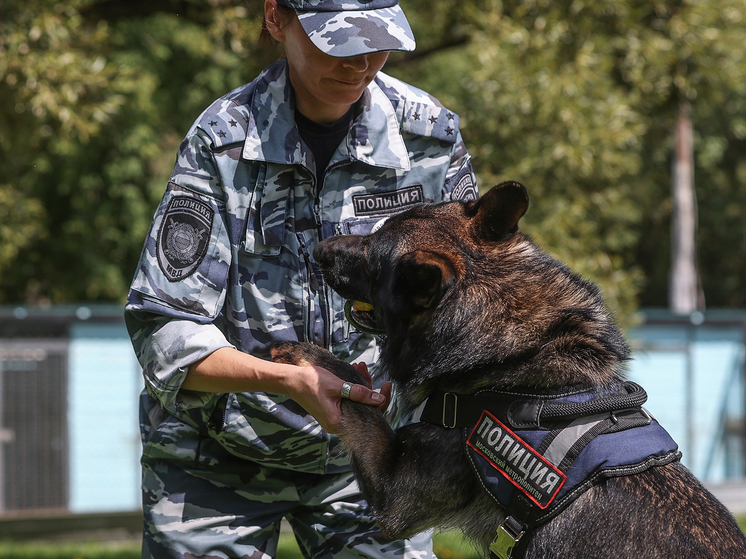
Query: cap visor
x,y
352,33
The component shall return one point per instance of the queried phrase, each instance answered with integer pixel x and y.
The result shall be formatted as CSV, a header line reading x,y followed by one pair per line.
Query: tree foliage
x,y
578,100
575,99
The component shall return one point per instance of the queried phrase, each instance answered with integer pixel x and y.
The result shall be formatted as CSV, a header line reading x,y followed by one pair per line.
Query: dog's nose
x,y
328,251
321,253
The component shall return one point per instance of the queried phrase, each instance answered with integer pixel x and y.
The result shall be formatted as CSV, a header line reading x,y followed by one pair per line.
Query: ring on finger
x,y
346,387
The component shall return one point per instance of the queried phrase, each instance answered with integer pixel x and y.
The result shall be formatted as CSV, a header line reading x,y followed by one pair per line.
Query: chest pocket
x,y
267,214
276,290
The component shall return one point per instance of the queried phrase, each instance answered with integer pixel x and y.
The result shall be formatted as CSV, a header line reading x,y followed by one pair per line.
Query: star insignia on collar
x,y
449,131
416,116
222,134
433,119
450,116
213,123
233,123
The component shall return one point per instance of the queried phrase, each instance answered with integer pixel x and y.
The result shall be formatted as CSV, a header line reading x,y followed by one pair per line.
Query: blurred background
x,y
626,120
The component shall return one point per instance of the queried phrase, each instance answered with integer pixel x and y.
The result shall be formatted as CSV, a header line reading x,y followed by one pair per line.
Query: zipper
x,y
325,310
312,279
316,287
317,214
219,417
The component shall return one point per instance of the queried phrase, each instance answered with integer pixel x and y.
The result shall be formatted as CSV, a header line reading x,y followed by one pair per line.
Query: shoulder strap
x,y
421,114
227,119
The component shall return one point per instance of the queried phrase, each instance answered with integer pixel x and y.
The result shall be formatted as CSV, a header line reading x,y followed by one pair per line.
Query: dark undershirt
x,y
323,139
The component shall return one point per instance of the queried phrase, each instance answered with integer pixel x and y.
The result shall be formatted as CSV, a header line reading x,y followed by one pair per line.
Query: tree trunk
x,y
685,292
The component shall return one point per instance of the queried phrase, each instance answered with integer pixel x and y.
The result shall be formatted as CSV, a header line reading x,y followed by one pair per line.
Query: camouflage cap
x,y
343,28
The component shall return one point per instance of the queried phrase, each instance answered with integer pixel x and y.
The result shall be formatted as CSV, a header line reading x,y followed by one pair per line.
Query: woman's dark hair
x,y
284,15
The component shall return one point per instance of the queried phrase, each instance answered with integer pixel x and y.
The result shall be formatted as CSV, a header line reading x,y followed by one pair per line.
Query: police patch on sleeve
x,y
184,236
464,190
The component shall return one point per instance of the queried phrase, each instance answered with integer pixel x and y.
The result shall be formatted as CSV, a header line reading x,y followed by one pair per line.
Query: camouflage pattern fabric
x,y
228,259
338,5
344,28
201,501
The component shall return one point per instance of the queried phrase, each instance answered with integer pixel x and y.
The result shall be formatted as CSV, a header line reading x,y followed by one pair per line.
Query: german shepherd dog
x,y
467,304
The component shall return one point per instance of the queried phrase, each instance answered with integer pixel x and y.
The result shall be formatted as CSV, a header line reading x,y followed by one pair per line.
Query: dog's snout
x,y
328,251
322,253
342,261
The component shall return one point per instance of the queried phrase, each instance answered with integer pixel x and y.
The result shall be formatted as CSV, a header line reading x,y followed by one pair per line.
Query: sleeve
x,y
180,284
461,182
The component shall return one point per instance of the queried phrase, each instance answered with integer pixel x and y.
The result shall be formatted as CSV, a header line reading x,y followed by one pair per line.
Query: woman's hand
x,y
320,393
362,369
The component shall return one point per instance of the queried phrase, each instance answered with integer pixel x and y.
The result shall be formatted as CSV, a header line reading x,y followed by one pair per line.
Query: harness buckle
x,y
449,412
646,413
507,536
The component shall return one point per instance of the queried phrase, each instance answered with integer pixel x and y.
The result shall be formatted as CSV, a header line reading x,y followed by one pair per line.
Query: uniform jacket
x,y
228,259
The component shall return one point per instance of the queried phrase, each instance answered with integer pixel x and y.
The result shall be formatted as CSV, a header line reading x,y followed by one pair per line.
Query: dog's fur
x,y
468,302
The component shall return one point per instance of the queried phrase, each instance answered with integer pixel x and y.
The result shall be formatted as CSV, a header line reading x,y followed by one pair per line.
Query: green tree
x,y
578,100
95,112
694,52
575,99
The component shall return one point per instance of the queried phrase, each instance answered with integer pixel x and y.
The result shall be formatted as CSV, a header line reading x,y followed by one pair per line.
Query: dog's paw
x,y
305,354
292,353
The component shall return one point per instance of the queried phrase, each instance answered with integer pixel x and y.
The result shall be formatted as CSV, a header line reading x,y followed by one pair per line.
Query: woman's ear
x,y
272,21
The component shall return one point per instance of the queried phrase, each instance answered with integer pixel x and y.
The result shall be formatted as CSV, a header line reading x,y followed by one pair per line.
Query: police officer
x,y
320,143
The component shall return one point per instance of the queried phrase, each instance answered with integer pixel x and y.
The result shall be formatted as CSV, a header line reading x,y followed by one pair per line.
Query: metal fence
x,y
69,385
33,432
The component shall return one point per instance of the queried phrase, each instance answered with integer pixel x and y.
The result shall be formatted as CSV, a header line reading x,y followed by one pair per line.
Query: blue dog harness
x,y
536,453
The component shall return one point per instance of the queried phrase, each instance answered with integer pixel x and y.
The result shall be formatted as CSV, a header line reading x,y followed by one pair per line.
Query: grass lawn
x,y
448,545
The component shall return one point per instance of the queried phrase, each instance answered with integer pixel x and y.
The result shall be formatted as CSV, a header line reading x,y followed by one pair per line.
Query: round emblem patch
x,y
182,241
184,236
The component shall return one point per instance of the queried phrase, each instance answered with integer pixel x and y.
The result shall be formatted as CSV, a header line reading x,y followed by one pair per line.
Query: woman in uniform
x,y
321,143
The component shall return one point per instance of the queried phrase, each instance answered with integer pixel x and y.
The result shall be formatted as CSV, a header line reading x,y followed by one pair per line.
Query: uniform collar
x,y
375,137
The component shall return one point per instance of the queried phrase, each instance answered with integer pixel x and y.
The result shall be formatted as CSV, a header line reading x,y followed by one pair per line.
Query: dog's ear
x,y
496,214
423,276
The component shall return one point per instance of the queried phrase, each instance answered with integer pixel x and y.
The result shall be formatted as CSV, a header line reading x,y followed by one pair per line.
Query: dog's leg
x,y
300,353
413,478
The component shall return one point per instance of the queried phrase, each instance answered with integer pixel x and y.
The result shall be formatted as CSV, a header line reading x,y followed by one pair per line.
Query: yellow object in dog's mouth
x,y
361,316
361,307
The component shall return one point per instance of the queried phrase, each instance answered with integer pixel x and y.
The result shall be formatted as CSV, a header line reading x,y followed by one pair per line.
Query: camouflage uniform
x,y
227,263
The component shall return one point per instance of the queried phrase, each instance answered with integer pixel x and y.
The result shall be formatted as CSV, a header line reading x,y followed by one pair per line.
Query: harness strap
x,y
521,410
528,479
563,446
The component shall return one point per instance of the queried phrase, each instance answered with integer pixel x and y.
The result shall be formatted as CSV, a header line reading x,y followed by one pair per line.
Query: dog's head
x,y
458,291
